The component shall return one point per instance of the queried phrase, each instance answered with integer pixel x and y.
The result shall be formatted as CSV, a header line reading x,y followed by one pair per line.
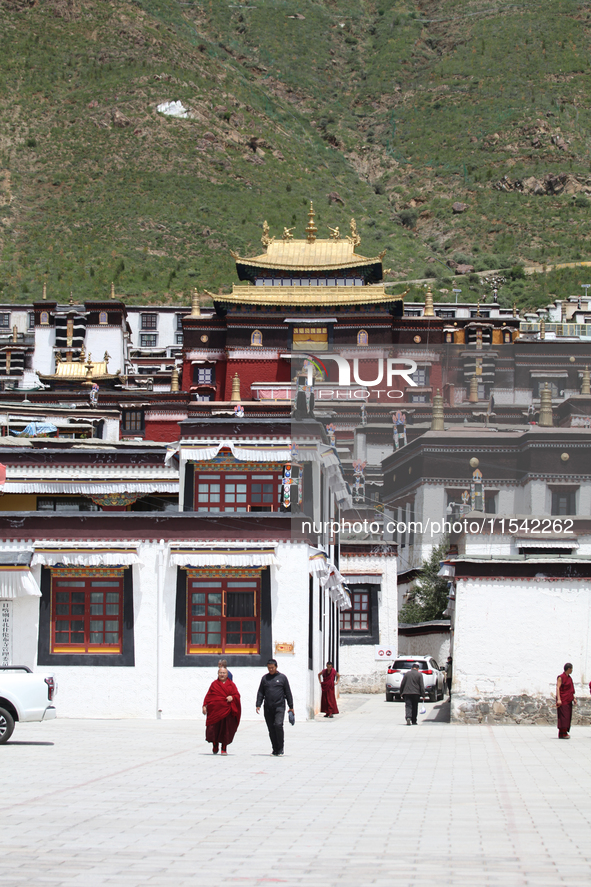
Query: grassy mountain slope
x,y
401,108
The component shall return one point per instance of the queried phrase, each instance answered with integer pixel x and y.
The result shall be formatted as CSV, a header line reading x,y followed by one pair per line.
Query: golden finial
x,y
545,418
174,380
44,290
542,328
311,229
235,397
112,290
195,306
429,310
478,308
265,239
437,416
514,309
586,386
335,234
354,238
71,298
287,235
14,333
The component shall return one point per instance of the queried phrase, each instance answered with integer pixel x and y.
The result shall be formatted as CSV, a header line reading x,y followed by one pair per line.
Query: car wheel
x,y
389,697
6,725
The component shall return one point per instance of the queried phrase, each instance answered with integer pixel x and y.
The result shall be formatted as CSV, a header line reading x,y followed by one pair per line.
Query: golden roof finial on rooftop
x,y
71,298
287,235
44,290
586,386
545,418
335,234
174,379
112,290
195,306
265,239
429,310
514,309
354,238
311,229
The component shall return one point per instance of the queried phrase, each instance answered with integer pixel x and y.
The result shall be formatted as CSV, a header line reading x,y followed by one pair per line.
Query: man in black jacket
x,y
274,690
412,689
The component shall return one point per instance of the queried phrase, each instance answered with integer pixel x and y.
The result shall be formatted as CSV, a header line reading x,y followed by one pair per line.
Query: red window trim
x,y
221,580
226,477
88,577
348,615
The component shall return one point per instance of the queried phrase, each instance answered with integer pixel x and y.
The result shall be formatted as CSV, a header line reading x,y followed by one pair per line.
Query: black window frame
x,y
148,321
125,659
571,501
125,429
182,659
145,344
349,637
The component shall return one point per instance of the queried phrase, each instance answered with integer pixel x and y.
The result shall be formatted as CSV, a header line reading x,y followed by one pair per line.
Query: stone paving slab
x,y
358,800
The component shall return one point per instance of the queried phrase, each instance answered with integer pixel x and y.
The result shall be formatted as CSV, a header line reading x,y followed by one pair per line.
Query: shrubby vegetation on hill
x,y
397,110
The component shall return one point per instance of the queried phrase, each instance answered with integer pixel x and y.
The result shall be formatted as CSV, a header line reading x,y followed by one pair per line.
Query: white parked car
x,y
24,696
433,677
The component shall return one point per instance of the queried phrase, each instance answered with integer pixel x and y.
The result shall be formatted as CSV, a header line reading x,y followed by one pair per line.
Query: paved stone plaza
x,y
358,800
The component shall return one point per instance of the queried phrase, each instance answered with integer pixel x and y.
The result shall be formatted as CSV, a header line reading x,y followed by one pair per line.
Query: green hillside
x,y
401,109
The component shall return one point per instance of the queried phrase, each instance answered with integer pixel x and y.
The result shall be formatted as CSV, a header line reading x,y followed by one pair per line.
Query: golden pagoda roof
x,y
301,255
75,369
317,296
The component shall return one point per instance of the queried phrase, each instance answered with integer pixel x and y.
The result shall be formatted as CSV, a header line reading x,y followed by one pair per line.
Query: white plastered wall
x,y
512,637
359,669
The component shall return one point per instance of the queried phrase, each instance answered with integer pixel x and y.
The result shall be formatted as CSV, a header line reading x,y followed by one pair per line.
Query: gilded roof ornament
x,y
311,229
354,238
287,235
335,234
382,254
265,239
234,254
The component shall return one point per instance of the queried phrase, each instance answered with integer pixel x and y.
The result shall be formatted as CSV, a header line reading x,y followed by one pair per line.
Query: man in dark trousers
x,y
413,689
274,690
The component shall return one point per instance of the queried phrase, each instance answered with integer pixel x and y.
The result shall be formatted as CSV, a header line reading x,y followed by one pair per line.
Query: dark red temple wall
x,y
251,371
167,432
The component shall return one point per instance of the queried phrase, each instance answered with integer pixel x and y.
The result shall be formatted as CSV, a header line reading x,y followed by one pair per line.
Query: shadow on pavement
x,y
441,712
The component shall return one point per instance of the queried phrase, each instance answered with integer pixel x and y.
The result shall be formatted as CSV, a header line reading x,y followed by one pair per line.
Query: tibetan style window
x,y
44,318
359,625
238,491
421,376
86,611
310,338
203,375
362,337
223,612
148,340
564,502
256,339
133,421
359,616
5,321
149,321
179,338
86,616
103,318
179,322
31,320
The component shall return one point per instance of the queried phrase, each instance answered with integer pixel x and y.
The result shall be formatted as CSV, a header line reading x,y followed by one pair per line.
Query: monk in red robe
x,y
328,678
565,699
222,707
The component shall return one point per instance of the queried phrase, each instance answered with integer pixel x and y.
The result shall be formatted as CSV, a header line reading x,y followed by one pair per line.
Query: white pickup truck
x,y
24,696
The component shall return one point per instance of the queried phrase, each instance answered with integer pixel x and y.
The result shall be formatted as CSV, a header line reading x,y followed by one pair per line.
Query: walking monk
x,y
565,698
222,707
328,678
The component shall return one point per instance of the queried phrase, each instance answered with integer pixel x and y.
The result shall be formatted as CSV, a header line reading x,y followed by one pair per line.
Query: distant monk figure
x,y
565,698
222,707
328,678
